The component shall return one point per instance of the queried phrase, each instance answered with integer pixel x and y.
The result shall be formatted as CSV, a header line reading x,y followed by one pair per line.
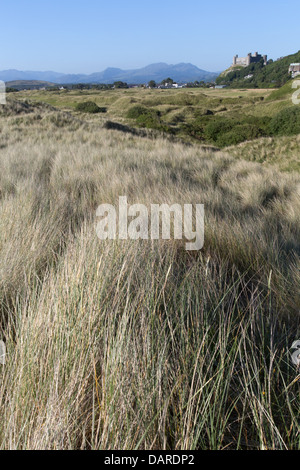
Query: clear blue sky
x,y
74,36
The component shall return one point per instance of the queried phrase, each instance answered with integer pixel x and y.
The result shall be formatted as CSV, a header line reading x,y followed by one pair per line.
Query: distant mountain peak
x,y
182,72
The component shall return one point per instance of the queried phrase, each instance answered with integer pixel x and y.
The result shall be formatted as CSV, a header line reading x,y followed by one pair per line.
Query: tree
x,y
120,84
169,81
152,84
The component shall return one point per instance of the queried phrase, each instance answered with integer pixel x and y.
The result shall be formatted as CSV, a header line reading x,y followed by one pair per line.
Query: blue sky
x,y
74,36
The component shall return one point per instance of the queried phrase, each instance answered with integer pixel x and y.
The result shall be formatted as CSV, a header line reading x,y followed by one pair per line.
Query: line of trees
x,y
170,81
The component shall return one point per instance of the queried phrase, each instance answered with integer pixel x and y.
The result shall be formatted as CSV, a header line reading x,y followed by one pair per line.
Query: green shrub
x,y
145,117
238,134
286,122
194,130
89,107
215,128
136,111
223,131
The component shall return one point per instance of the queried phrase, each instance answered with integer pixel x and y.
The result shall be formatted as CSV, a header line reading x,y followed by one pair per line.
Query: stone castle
x,y
250,59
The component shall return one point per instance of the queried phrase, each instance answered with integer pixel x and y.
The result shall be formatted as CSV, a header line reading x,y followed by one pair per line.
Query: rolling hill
x,y
28,84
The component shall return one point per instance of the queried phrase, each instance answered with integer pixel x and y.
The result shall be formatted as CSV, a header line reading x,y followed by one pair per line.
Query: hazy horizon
x,y
108,67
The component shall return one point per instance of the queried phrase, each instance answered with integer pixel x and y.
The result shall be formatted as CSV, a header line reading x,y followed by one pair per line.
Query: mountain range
x,y
180,73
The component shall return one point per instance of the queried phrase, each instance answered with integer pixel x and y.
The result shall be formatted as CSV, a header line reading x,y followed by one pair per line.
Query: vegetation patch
x,y
223,131
286,122
148,117
90,107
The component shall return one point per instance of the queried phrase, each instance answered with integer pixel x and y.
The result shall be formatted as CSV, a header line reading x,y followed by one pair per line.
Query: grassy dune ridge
x,y
142,345
219,118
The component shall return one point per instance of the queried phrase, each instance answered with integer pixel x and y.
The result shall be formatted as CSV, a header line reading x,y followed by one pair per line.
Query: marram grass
x,y
142,345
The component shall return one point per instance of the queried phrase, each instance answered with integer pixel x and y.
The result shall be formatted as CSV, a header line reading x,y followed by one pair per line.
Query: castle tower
x,y
248,59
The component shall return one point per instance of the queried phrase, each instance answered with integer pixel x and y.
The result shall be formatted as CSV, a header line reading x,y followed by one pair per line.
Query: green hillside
x,y
274,74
